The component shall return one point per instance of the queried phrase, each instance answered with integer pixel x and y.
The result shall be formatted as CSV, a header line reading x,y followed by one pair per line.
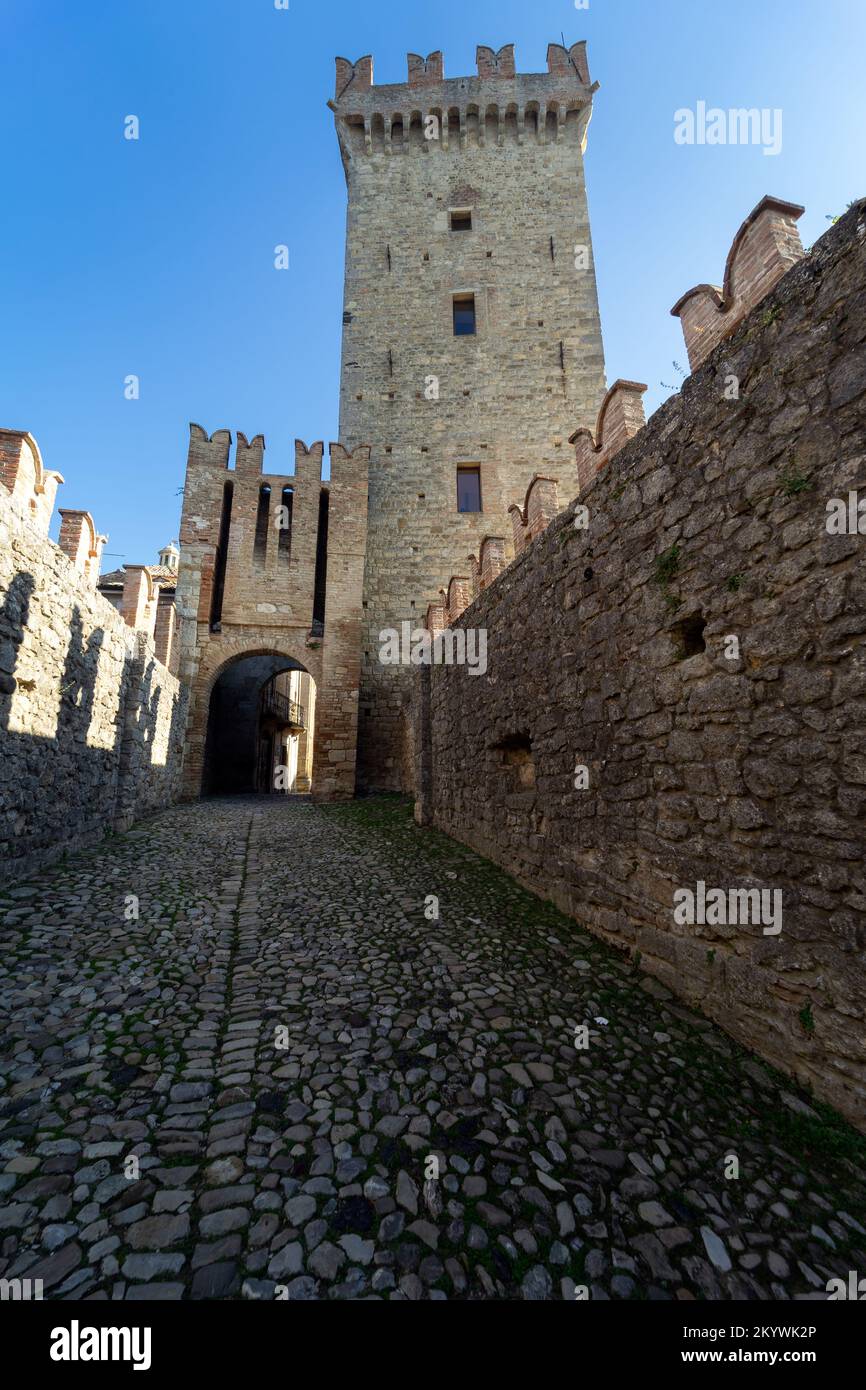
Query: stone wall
x,y
91,724
736,764
506,147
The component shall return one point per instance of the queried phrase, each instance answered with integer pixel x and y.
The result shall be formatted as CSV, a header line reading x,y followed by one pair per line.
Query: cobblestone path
x,y
283,1040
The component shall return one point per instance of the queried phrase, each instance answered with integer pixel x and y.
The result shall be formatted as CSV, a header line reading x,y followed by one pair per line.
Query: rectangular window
x,y
464,314
469,489
461,221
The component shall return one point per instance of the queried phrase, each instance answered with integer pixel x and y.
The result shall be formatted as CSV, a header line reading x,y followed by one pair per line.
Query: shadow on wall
x,y
57,790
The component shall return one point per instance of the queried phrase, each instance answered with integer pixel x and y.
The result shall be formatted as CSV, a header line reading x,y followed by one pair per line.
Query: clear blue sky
x,y
156,257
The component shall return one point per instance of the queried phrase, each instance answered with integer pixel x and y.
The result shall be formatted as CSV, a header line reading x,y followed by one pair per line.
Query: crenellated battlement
x,y
86,684
29,489
139,598
429,112
214,452
352,79
495,64
455,599
619,419
248,533
425,72
208,451
81,542
766,246
491,561
32,486
434,618
562,61
540,506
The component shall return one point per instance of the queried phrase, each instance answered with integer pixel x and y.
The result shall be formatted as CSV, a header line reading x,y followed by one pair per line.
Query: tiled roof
x,y
160,574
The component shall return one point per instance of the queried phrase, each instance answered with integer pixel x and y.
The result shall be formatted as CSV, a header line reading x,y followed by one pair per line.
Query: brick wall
x,y
739,765
26,479
269,585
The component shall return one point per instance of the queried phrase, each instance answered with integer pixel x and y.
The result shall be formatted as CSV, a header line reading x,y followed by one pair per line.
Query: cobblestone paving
x,y
283,1040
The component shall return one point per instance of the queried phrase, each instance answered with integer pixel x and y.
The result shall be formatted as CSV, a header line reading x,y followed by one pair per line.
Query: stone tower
x,y
471,337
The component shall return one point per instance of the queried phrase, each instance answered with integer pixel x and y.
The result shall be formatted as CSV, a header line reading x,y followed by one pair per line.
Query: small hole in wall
x,y
387,448
690,635
421,496
588,573
515,755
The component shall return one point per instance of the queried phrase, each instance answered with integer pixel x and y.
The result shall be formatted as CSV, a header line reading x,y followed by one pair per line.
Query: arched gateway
x,y
260,726
269,608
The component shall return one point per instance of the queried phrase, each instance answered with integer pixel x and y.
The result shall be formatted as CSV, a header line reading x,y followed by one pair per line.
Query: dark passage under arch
x,y
252,723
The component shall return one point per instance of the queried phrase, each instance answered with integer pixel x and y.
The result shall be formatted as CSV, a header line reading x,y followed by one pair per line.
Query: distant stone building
x,y
147,593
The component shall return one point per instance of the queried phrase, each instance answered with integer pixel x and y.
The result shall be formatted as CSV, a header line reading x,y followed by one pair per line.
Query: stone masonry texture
x,y
91,723
508,149
302,1171
237,1035
607,649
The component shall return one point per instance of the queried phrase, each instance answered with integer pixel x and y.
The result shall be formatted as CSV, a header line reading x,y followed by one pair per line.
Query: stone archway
x,y
260,727
219,659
